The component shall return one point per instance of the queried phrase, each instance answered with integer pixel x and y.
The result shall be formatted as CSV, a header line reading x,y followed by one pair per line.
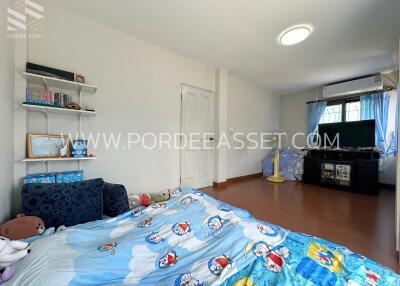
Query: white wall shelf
x,y
50,82
58,159
58,110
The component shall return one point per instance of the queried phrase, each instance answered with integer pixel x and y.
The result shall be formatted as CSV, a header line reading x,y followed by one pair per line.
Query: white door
x,y
197,126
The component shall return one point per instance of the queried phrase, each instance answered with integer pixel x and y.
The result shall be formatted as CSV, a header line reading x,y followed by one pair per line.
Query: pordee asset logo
x,y
25,19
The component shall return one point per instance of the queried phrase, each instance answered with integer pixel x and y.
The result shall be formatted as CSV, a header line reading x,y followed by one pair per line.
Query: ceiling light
x,y
295,35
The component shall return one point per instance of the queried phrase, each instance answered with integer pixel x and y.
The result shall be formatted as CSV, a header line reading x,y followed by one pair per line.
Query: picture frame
x,y
47,146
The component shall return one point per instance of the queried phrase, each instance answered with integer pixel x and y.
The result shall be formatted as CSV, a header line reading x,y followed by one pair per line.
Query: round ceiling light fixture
x,y
295,35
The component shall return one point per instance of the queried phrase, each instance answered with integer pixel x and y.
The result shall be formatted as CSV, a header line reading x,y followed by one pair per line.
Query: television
x,y
354,134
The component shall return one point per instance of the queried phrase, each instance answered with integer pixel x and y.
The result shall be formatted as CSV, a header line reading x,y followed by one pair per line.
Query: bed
x,y
192,239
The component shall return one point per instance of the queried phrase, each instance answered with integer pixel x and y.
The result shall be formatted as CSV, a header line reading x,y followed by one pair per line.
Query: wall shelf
x,y
58,159
57,110
51,82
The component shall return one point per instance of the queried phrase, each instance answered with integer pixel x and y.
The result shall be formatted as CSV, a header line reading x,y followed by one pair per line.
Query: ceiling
x,y
351,38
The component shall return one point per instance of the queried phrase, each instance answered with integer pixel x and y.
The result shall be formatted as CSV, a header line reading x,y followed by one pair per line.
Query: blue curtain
x,y
314,114
375,106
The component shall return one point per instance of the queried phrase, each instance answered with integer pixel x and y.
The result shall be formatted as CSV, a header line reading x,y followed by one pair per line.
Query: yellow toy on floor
x,y
276,177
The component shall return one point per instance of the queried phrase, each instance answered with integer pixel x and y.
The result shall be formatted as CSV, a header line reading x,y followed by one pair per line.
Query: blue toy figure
x,y
79,148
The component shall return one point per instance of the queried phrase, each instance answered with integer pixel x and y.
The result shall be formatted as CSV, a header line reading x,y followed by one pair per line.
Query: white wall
x,y
138,91
294,114
7,117
294,119
250,109
398,174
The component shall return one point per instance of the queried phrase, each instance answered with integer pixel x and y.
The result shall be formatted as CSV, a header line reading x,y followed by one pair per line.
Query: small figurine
x,y
79,78
79,148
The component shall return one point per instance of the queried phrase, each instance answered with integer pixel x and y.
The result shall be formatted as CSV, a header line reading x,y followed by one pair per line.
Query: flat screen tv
x,y
355,134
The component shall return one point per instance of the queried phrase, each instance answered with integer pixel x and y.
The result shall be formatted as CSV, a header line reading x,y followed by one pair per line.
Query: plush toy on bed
x,y
10,252
5,274
144,200
22,227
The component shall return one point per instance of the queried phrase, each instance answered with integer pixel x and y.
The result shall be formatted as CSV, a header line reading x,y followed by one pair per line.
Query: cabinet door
x,y
311,172
367,176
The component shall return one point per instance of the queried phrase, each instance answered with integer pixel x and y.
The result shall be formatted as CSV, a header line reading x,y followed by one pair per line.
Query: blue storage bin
x,y
69,177
44,178
54,177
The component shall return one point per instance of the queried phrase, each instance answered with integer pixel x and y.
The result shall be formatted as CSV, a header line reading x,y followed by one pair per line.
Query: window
x,y
342,110
353,111
332,113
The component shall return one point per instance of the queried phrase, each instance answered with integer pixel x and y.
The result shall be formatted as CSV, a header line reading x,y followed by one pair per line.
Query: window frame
x,y
342,102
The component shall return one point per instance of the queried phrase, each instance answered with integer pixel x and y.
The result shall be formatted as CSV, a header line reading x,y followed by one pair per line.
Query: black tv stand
x,y
353,170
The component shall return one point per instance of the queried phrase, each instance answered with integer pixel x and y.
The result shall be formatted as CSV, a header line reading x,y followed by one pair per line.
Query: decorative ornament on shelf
x,y
73,105
79,148
80,78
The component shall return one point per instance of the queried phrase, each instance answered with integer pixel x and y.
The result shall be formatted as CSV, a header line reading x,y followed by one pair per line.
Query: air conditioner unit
x,y
358,86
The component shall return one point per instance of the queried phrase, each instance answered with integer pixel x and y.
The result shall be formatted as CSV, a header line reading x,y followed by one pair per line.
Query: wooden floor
x,y
365,224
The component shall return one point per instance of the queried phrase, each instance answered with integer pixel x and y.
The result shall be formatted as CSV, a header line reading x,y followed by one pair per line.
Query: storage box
x,y
54,177
69,177
44,178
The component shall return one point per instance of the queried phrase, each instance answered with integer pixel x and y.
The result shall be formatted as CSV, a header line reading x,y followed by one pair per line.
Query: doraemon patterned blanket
x,y
194,240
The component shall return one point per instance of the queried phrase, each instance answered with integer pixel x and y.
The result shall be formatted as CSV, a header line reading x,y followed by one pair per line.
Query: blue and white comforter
x,y
194,240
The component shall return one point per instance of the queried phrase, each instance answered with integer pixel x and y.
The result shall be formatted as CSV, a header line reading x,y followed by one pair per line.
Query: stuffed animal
x,y
136,200
11,251
5,274
22,227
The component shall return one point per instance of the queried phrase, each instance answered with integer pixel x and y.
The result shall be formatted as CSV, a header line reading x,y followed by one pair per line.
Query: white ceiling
x,y
351,37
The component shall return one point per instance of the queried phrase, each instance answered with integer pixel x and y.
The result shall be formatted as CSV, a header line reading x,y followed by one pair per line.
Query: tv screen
x,y
355,134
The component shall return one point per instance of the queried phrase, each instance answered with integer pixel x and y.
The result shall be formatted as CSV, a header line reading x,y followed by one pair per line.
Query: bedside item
x,y
64,204
11,251
22,227
54,177
6,274
73,105
136,200
115,200
46,146
79,148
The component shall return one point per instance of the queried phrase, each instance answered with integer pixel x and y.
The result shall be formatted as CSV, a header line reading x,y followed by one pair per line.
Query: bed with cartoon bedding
x,y
192,239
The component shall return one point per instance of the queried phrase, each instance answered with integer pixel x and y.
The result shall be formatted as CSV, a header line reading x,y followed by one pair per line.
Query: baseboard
x,y
243,178
219,185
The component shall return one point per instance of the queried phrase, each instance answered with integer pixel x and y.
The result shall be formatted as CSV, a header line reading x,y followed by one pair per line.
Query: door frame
x,y
180,126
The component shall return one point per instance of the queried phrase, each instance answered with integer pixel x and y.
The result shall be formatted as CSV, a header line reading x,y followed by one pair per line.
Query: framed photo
x,y
46,146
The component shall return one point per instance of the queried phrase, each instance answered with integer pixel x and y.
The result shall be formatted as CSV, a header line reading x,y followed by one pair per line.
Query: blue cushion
x,y
64,204
115,200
